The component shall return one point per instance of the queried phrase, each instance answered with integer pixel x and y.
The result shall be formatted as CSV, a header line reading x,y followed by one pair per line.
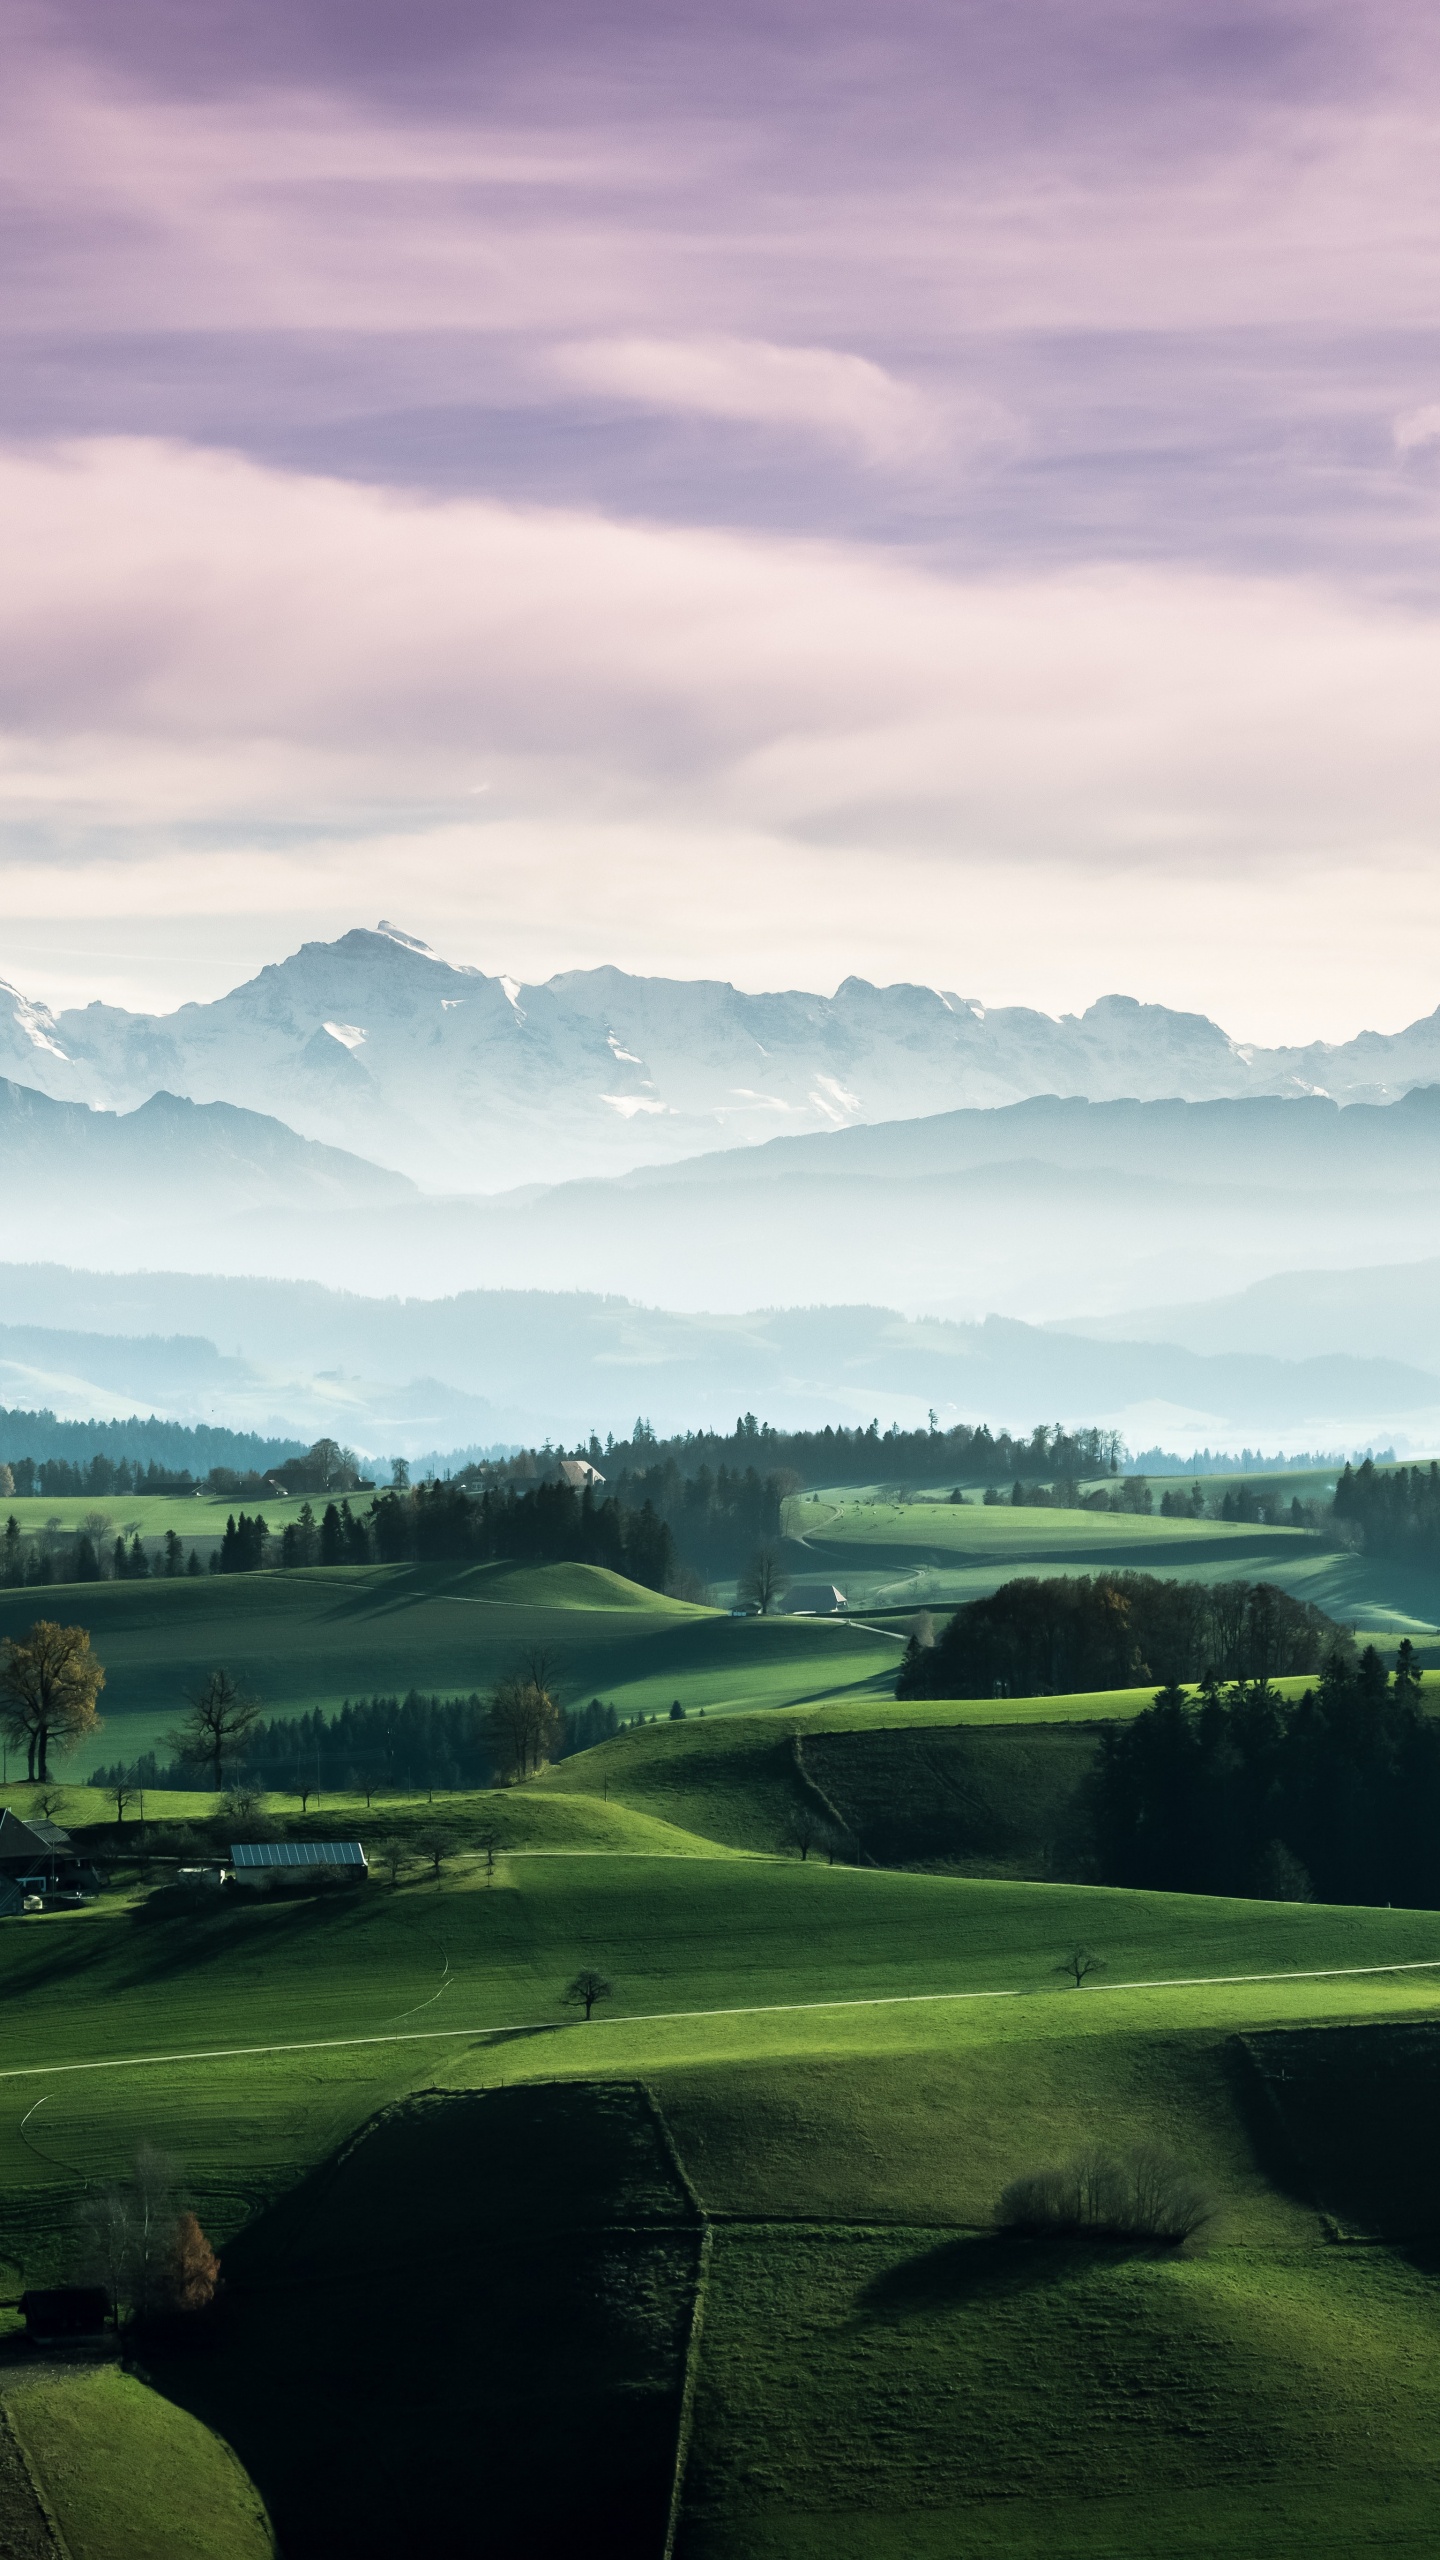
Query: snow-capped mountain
x,y
472,1082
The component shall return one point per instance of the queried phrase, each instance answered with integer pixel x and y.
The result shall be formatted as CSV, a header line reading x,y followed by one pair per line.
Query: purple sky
x,y
935,491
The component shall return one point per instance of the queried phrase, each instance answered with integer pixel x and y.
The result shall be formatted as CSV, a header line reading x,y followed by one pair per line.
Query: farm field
x,y
313,1638
128,2472
796,2110
197,1518
900,1555
847,2064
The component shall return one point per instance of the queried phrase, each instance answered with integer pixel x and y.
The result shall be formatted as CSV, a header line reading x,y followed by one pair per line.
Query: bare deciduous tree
x,y
804,1829
586,1988
49,1682
219,1718
136,2240
1140,2195
393,1856
524,1726
244,1807
487,1843
764,1586
437,1844
1079,1965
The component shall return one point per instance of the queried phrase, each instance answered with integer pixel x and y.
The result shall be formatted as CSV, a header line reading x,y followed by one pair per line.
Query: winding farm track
x,y
753,2009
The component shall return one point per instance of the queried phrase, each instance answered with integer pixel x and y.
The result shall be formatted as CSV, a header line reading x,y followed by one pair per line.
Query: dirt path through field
x,y
748,2009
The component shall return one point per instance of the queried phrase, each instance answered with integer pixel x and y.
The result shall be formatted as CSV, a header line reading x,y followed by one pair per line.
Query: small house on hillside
x,y
578,1472
36,1839
257,1861
65,2315
42,1856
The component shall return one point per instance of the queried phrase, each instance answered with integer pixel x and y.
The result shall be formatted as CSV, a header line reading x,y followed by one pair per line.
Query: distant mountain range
x,y
419,1375
469,1082
204,1143
1032,1210
66,1169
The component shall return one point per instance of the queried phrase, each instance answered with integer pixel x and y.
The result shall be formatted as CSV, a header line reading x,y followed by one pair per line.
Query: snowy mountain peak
x,y
470,1082
407,941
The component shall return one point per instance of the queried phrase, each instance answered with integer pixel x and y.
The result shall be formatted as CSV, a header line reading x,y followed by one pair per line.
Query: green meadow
x,y
848,2065
717,2273
934,1554
313,1638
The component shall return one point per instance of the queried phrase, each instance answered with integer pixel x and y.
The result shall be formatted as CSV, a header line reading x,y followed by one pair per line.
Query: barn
x,y
257,1861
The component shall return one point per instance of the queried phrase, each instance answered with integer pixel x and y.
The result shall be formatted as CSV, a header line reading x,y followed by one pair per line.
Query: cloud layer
x,y
223,684
940,491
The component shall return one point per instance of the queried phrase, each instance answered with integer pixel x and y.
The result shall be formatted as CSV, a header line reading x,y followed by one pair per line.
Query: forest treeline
x,y
48,1456
1392,1511
1335,1795
722,1494
1035,1638
385,1744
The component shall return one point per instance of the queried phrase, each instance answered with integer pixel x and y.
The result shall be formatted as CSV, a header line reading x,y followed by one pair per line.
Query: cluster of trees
x,y
1067,1493
1334,1796
1392,1513
1034,1638
378,1745
137,2241
177,1453
447,1523
1142,2194
838,1454
1240,1462
29,1562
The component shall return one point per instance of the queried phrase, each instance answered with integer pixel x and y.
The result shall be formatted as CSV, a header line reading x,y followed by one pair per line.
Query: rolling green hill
x,y
494,2268
935,1554
311,1639
129,2475
850,2064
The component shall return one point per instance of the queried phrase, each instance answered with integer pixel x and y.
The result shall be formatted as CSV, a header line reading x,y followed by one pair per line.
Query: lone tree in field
x,y
804,1829
244,1807
218,1721
1079,1965
49,1682
764,1585
524,1726
393,1855
486,1843
585,1990
436,1844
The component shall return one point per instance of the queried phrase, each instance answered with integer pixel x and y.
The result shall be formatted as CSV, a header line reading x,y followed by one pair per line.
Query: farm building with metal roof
x,y
250,1856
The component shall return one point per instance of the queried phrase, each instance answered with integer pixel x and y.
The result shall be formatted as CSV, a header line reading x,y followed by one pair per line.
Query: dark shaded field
x,y
466,2333
1005,1801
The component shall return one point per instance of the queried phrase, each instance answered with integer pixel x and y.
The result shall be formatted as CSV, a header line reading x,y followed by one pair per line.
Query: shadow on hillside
x,y
463,2333
983,2267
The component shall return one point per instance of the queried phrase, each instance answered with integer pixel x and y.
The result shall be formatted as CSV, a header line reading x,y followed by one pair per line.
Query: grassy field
x,y
796,2110
936,1554
311,1639
499,2366
129,2475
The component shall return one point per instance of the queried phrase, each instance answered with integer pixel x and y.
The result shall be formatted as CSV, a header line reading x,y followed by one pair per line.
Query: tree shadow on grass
x,y
986,2266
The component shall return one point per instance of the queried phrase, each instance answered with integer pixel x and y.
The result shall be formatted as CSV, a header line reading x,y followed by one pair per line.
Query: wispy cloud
x,y
780,451
819,390
199,655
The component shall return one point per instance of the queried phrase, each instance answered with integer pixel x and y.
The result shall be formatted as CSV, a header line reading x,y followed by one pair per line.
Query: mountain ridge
x,y
418,1375
472,1081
